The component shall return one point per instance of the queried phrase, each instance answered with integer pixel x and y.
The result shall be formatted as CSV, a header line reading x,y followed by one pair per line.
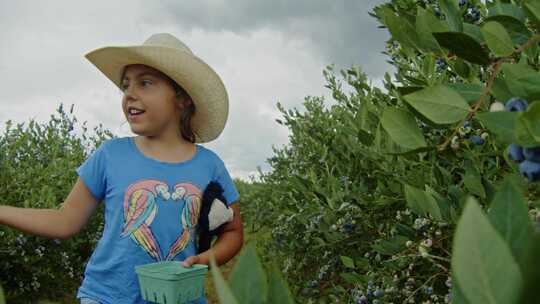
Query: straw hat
x,y
172,57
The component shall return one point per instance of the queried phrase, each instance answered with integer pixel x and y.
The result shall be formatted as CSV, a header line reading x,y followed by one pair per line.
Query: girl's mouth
x,y
133,112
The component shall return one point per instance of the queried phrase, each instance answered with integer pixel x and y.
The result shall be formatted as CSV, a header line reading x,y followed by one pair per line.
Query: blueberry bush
x,y
250,282
378,196
37,170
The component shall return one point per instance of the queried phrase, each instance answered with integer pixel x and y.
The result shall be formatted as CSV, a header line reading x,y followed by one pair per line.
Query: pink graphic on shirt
x,y
140,209
189,216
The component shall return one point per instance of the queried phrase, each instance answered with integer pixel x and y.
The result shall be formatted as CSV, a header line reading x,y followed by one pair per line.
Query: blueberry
x,y
462,3
441,64
428,290
361,300
530,170
466,124
477,140
496,106
348,228
378,293
472,15
532,154
516,104
515,153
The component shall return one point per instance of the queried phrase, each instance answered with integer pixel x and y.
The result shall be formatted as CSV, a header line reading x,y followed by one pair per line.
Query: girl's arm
x,y
53,223
226,246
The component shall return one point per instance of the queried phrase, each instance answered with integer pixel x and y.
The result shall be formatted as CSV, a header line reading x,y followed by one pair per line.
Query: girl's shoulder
x,y
209,154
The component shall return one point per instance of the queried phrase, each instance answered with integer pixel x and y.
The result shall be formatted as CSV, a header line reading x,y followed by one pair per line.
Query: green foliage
x,y
250,283
367,194
2,296
37,170
479,258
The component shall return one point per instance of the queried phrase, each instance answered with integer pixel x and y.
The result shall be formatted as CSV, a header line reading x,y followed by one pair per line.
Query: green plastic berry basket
x,y
171,283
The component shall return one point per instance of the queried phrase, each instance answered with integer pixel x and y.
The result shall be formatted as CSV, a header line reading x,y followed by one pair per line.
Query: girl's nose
x,y
129,93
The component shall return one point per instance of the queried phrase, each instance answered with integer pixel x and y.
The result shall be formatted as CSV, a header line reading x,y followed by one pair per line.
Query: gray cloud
x,y
265,51
341,30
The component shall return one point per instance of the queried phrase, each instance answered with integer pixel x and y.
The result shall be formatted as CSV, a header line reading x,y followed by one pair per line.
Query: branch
x,y
496,66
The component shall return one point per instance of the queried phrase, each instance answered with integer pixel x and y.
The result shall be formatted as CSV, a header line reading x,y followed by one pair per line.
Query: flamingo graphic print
x,y
141,207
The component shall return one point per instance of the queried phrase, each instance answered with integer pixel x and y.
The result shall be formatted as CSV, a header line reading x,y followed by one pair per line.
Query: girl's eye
x,y
146,82
124,86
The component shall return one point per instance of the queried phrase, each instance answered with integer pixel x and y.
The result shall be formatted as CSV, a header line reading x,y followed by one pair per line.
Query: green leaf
x,y
528,126
464,46
453,16
279,291
500,89
399,27
402,128
502,124
422,203
391,246
353,277
497,38
510,217
533,7
522,81
408,90
347,261
248,279
474,32
482,262
523,135
506,9
445,207
457,294
532,275
462,68
426,24
440,104
469,91
473,182
224,293
519,33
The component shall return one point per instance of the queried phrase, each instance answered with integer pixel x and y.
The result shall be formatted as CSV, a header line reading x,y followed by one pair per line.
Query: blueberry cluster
x,y
472,15
478,137
372,293
528,158
441,64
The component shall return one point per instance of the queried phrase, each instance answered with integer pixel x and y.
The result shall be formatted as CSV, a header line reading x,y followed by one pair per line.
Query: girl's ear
x,y
183,102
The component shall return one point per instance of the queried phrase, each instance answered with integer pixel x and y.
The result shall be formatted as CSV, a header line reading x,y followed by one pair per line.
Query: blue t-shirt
x,y
151,213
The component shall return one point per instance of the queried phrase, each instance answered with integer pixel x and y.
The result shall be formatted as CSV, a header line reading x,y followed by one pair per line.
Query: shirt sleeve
x,y
93,172
224,179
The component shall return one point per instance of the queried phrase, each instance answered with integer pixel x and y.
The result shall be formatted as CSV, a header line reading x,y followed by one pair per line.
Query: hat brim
x,y
200,81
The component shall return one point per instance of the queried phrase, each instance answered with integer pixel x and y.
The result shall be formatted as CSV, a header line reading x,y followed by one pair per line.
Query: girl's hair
x,y
187,112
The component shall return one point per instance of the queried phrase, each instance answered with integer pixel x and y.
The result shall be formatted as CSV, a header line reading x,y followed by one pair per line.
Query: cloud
x,y
265,52
341,31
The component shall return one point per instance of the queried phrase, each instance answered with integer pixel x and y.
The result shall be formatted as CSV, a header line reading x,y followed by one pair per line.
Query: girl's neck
x,y
168,150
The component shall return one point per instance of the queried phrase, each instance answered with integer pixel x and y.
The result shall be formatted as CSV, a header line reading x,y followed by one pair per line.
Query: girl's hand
x,y
194,259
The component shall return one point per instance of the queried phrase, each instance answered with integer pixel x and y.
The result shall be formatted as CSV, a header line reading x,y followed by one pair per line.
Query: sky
x,y
264,51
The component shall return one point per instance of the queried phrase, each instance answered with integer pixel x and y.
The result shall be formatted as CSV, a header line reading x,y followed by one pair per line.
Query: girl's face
x,y
150,103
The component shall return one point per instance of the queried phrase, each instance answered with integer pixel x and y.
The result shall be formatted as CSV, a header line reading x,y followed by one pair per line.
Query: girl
x,y
151,184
